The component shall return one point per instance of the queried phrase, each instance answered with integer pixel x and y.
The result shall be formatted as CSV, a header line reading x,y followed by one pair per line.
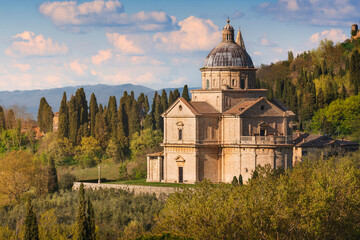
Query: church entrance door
x,y
181,175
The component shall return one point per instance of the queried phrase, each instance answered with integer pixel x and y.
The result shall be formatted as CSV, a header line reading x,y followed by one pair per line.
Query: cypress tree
x,y
113,118
343,93
73,120
134,123
93,111
235,181
2,119
63,128
241,180
81,224
53,185
149,121
146,105
185,93
90,221
176,94
171,98
31,226
45,116
81,106
101,129
164,100
355,72
157,114
10,119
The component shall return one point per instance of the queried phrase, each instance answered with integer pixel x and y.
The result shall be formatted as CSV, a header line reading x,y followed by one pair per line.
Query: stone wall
x,y
135,188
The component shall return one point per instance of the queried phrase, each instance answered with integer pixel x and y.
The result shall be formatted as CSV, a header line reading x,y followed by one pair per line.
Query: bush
x,y
66,181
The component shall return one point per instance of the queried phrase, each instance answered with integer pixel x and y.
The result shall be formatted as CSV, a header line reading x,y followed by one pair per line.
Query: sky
x,y
155,43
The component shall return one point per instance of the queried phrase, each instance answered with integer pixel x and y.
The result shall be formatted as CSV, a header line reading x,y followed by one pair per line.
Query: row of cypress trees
x,y
115,123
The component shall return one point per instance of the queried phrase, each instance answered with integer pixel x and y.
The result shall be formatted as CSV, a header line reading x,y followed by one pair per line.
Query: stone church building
x,y
228,128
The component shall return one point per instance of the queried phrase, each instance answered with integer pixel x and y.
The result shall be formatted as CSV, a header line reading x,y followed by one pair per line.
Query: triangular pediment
x,y
263,108
180,108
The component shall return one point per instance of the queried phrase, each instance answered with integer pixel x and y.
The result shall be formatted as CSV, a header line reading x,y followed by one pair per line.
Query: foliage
x,y
88,153
16,174
133,230
31,226
66,181
340,117
45,116
53,185
113,211
316,200
146,139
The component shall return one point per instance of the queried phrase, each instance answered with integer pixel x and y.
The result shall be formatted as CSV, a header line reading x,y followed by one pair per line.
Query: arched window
x,y
207,84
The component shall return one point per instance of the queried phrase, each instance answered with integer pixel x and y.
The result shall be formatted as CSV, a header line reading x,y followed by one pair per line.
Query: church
x,y
228,128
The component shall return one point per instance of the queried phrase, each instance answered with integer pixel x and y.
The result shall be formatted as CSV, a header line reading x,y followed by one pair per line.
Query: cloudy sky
x,y
156,43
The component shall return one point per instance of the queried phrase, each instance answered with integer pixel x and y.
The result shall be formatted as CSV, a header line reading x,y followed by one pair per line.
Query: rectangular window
x,y
180,134
181,175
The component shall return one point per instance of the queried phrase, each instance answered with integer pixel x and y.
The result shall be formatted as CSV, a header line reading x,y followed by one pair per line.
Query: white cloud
x,y
333,34
102,56
178,81
28,44
314,12
278,50
194,34
257,53
122,44
69,15
264,41
21,67
78,68
146,78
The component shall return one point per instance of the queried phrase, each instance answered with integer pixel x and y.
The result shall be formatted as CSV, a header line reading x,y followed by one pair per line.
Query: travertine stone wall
x,y
158,191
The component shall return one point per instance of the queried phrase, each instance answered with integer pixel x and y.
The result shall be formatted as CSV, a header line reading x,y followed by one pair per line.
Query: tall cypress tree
x,y
185,93
81,224
176,94
101,128
10,119
164,100
134,125
73,120
31,226
53,185
146,105
90,221
355,72
2,119
171,98
93,111
45,116
63,128
113,117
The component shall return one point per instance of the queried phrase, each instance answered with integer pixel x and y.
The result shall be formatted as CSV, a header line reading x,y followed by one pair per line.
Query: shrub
x,y
66,181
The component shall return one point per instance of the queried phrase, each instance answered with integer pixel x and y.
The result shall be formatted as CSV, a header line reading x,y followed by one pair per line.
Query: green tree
x,y
185,93
176,94
73,120
164,100
90,215
171,98
235,181
45,116
2,119
63,128
81,224
93,111
355,72
144,140
88,153
10,119
31,226
53,185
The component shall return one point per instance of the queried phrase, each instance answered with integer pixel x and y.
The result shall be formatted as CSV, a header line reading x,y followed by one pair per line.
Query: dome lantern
x,y
228,32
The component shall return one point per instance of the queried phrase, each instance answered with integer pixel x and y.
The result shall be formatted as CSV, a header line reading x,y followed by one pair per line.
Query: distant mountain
x,y
30,99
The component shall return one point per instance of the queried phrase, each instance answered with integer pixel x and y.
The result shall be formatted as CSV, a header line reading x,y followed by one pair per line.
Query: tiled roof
x,y
203,108
241,107
314,140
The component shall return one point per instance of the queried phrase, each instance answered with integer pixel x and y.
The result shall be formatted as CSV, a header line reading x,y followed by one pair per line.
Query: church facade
x,y
228,128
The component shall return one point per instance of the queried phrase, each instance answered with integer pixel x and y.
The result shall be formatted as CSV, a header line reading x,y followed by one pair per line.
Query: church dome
x,y
228,53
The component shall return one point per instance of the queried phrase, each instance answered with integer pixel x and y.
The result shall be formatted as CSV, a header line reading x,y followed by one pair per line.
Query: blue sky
x,y
158,43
